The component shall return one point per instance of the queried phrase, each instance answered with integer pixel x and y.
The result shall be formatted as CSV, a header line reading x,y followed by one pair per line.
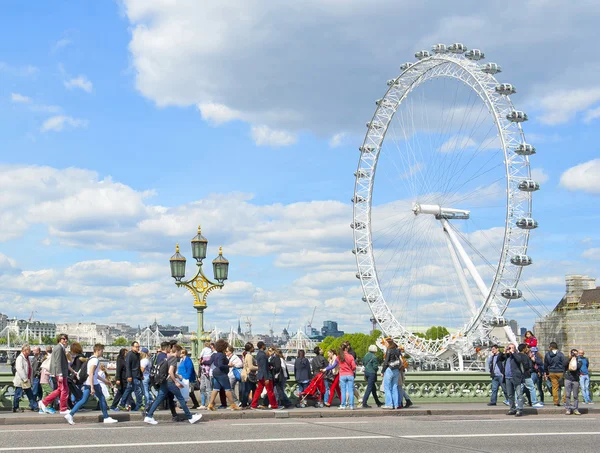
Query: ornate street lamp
x,y
199,286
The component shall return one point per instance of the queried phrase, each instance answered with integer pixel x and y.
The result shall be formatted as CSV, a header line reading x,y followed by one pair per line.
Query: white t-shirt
x,y
146,365
91,362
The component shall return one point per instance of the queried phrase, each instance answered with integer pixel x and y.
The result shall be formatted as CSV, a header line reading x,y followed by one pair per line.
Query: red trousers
x,y
335,387
62,391
259,389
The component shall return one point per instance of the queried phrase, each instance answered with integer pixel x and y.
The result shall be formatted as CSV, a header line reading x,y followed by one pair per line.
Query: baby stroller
x,y
315,390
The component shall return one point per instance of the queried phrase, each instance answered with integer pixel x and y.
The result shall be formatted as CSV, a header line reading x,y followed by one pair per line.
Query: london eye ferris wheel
x,y
441,236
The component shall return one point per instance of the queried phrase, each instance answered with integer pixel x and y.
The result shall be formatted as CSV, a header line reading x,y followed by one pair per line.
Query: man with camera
x,y
516,367
572,374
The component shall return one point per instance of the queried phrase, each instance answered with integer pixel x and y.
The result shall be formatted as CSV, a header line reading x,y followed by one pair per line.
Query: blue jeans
x,y
302,386
19,393
282,398
371,389
537,381
584,384
165,388
135,386
327,386
531,388
36,388
347,388
86,396
496,384
147,392
390,383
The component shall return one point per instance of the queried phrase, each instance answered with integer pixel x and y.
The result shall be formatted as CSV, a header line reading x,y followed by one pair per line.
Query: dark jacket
x,y
262,361
221,363
519,366
371,363
275,367
132,365
36,365
493,362
554,363
302,370
572,375
319,363
120,372
391,355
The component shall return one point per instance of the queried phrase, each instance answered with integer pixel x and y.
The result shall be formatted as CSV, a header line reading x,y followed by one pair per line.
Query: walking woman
x,y
371,365
332,378
220,376
280,376
347,368
120,379
391,372
235,371
249,377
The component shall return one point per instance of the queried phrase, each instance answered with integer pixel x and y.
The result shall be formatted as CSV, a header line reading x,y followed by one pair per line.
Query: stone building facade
x,y
575,321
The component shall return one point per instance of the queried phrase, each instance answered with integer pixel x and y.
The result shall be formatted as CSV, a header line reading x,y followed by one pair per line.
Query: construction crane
x,y
309,325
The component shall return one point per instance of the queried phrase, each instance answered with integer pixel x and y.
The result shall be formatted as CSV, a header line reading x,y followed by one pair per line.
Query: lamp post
x,y
200,286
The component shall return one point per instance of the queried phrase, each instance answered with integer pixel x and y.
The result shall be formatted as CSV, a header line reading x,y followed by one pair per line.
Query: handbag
x,y
26,384
252,377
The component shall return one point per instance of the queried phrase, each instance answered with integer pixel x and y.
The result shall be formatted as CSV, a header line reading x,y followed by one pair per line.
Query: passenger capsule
x,y
521,260
391,82
360,251
525,149
358,199
475,54
384,103
370,299
506,89
457,48
498,321
529,185
366,149
362,174
358,225
365,275
439,48
405,66
526,223
512,293
422,54
374,125
516,116
491,68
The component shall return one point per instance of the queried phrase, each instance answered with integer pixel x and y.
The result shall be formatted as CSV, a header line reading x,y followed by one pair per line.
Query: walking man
x,y
23,379
584,377
59,370
36,369
496,369
516,365
92,387
265,379
554,364
133,375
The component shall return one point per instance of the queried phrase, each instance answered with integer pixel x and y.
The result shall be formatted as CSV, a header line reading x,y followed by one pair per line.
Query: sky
x,y
125,124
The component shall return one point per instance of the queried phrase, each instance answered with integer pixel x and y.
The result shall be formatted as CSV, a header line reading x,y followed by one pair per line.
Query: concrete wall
x,y
571,329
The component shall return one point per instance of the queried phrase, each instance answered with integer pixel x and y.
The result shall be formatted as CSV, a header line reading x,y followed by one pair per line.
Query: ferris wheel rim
x,y
494,101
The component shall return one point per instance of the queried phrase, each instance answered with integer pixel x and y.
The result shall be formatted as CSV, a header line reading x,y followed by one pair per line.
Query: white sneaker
x,y
111,420
65,412
538,405
69,418
341,408
150,420
195,418
202,408
41,407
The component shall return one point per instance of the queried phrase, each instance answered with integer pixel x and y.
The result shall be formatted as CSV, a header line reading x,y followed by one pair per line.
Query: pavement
x,y
417,410
483,431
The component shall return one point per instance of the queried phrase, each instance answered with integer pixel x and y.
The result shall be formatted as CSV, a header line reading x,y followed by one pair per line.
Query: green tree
x,y
360,342
436,333
120,341
48,340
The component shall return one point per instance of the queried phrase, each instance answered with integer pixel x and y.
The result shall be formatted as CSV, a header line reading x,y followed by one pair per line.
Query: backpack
x,y
82,373
159,372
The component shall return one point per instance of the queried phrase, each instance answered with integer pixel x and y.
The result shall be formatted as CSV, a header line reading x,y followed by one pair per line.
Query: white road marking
x,y
29,429
523,419
191,442
462,436
268,424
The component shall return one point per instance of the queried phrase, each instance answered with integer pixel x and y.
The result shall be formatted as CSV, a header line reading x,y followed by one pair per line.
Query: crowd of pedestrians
x,y
524,374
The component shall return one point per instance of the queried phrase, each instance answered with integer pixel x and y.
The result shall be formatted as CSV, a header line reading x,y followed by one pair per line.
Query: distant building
x,y
330,329
522,331
3,321
514,326
86,332
36,329
575,321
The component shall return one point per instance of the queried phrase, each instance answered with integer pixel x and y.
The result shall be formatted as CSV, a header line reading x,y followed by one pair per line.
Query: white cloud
x,y
539,175
18,71
57,123
591,254
582,177
562,105
20,99
61,43
412,170
81,82
218,114
457,143
337,139
265,136
592,114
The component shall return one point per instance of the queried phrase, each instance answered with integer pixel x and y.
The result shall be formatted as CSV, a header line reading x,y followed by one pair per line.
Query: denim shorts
x,y
221,382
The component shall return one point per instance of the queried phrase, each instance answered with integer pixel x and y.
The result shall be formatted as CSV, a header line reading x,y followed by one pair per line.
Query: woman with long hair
x,y
391,372
120,379
220,376
347,368
332,378
235,371
249,376
280,376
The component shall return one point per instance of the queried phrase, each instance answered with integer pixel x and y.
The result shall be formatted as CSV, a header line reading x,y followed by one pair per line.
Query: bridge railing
x,y
432,387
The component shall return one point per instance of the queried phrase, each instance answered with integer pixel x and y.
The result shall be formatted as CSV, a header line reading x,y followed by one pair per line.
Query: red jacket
x,y
348,366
